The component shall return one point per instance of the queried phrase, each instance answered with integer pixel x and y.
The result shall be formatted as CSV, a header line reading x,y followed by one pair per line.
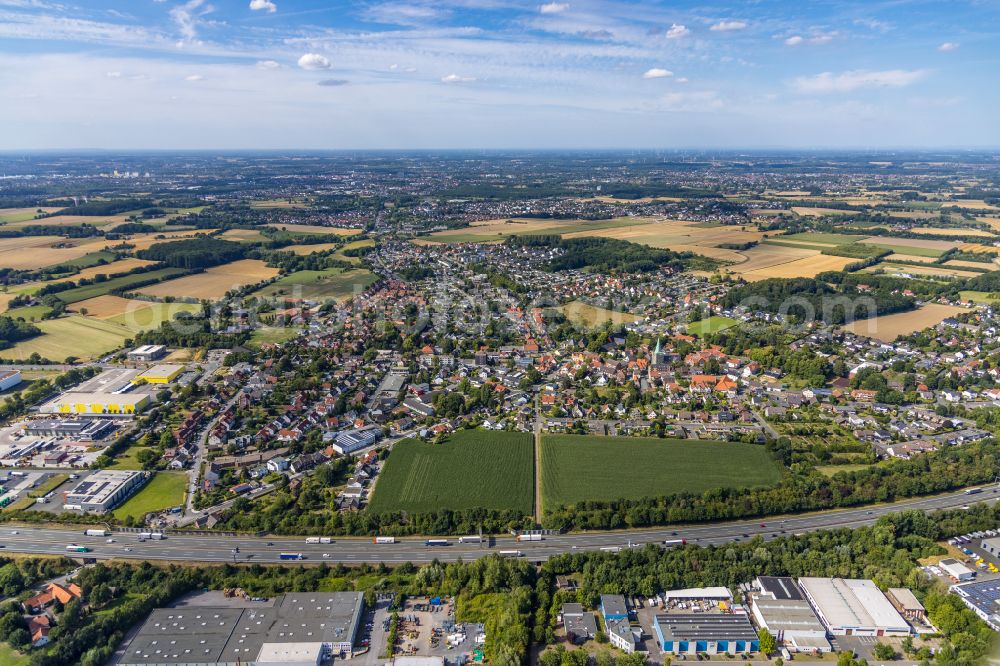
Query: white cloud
x,y
187,18
455,78
194,77
553,7
268,64
657,73
682,79
113,75
677,31
828,82
948,46
728,26
402,13
314,61
263,5
814,38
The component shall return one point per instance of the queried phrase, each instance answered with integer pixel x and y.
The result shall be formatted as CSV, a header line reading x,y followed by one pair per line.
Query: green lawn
x,y
983,297
273,334
164,491
710,325
86,261
475,468
11,657
128,459
332,283
29,312
577,468
830,470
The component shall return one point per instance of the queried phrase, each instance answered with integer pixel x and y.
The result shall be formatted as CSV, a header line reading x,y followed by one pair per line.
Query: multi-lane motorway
x,y
217,548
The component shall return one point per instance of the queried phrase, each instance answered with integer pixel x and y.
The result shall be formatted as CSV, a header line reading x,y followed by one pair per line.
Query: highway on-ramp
x,y
208,547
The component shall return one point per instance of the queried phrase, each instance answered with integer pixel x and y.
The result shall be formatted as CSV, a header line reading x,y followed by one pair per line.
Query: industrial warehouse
x,y
780,606
703,633
104,490
301,628
853,607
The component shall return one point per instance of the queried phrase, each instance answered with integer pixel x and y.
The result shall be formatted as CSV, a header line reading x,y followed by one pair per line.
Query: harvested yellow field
x,y
808,211
978,247
112,268
994,222
930,270
5,299
671,234
986,265
309,249
765,256
214,282
951,231
807,267
144,241
241,235
73,220
316,229
914,214
889,327
40,251
910,242
895,256
971,204
589,316
483,231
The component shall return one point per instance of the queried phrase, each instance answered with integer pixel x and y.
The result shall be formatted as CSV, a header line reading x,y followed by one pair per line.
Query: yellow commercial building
x,y
161,374
97,403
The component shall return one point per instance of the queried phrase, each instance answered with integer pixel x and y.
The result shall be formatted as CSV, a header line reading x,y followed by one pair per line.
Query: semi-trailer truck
x,y
290,556
97,533
379,539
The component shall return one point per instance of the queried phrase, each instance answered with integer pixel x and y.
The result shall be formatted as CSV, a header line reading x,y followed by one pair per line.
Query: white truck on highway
x,y
97,533
155,536
319,540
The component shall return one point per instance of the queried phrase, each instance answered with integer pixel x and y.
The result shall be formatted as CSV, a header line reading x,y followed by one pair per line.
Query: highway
x,y
220,548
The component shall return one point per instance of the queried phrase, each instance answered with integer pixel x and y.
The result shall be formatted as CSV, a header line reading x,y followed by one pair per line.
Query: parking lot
x,y
967,549
426,628
26,487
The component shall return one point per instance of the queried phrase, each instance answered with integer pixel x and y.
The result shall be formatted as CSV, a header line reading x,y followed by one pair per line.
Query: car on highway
x,y
127,549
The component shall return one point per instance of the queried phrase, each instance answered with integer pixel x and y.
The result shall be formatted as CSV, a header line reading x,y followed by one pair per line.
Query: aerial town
x,y
669,414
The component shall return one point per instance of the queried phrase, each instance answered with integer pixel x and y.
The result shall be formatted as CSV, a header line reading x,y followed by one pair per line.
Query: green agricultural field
x,y
101,288
86,261
577,468
984,297
590,316
474,468
83,337
11,657
165,490
29,312
912,250
365,242
329,284
710,325
822,238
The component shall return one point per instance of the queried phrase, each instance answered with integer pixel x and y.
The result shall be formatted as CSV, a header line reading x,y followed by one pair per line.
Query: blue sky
x,y
228,74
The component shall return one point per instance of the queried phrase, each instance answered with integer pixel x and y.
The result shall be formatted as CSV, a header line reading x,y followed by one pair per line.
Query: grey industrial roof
x,y
584,624
704,626
613,604
780,587
787,614
200,634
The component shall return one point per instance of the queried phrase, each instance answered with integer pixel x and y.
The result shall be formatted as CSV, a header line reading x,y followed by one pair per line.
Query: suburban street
x,y
266,549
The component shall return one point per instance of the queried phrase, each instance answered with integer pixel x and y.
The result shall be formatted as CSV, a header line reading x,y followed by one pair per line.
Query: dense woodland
x,y
202,252
809,299
604,255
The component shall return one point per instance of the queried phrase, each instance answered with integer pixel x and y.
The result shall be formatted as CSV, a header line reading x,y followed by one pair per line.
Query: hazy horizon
x,y
489,75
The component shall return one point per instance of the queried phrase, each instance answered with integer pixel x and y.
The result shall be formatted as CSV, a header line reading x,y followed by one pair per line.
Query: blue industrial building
x,y
613,607
703,633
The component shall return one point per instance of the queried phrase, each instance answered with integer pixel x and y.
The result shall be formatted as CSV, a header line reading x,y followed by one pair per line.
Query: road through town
x,y
208,547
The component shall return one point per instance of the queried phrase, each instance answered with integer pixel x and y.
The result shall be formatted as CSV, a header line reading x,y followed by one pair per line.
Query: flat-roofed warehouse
x,y
104,490
147,353
780,606
97,404
161,374
853,607
299,628
711,633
